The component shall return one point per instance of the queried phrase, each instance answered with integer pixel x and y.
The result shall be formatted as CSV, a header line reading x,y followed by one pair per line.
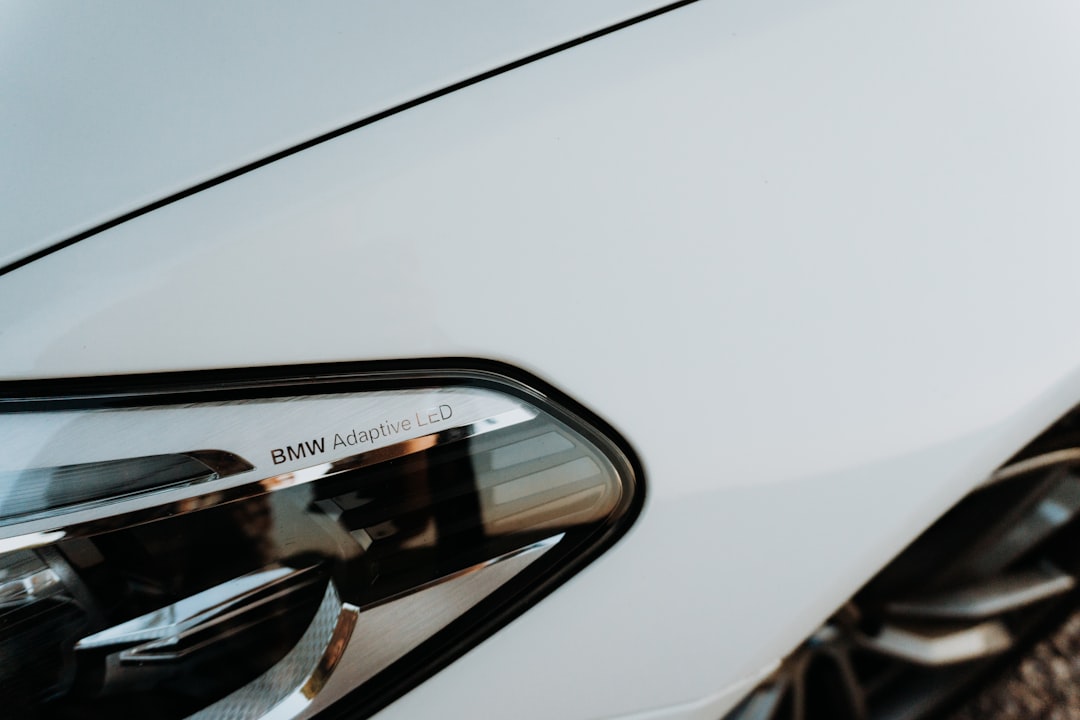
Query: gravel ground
x,y
1043,685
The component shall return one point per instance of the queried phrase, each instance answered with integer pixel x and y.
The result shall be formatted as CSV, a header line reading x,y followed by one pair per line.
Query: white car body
x,y
815,262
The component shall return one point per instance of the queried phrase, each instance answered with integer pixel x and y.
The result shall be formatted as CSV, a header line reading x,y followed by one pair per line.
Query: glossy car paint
x,y
108,109
814,261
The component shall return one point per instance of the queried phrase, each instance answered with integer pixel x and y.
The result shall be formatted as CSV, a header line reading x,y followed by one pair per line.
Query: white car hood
x,y
107,109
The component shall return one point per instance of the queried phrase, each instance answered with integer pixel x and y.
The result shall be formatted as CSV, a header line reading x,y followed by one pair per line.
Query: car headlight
x,y
227,546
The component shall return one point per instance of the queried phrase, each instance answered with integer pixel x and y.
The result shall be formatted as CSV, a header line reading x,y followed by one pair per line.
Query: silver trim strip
x,y
1039,462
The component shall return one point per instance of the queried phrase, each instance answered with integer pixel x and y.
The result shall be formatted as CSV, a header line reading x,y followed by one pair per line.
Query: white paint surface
x,y
107,107
816,261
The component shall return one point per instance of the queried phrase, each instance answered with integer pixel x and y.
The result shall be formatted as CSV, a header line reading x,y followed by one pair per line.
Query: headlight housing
x,y
275,542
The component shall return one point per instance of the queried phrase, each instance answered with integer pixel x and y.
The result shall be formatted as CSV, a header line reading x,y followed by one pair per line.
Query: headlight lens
x,y
230,548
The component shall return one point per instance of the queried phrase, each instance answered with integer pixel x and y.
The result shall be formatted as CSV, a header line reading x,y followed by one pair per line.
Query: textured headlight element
x,y
266,548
